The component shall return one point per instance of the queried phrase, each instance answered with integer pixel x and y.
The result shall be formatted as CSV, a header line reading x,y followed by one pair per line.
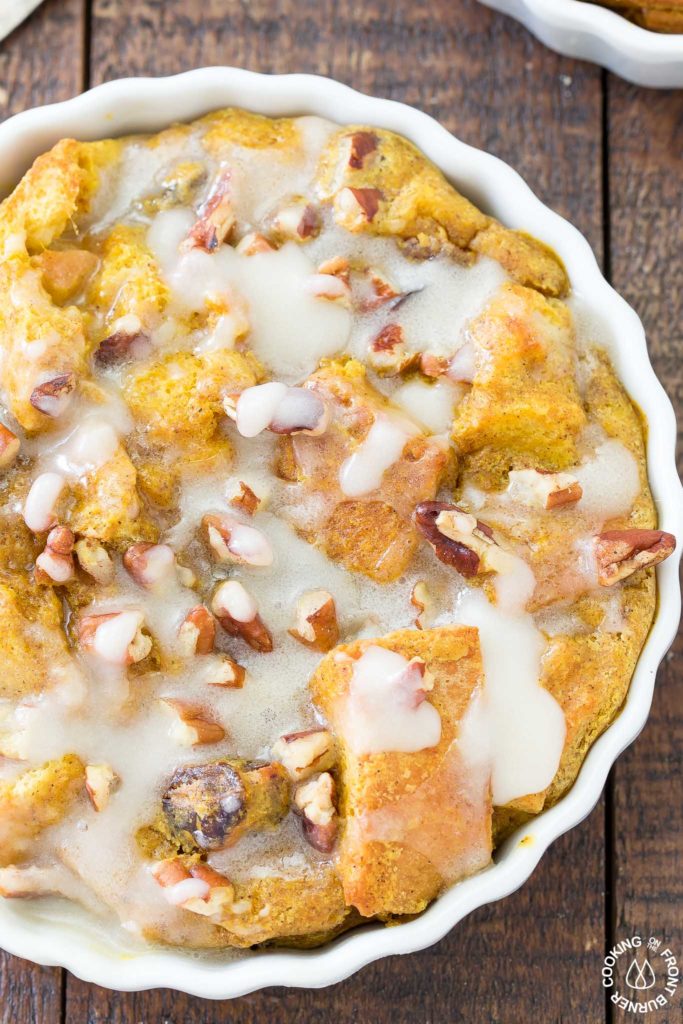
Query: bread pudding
x,y
327,544
657,15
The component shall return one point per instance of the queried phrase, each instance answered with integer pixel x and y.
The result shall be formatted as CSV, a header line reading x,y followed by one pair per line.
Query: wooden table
x,y
608,156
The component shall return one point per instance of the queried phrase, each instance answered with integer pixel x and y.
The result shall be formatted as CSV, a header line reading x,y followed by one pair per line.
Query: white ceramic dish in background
x,y
13,14
148,104
579,29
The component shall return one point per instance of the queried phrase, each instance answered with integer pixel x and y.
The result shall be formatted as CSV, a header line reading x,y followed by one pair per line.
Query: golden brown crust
x,y
524,403
413,821
373,535
38,798
178,400
54,190
416,203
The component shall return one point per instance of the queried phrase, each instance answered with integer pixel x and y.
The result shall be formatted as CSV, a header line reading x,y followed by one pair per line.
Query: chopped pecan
x,y
216,217
61,540
463,365
52,567
53,396
233,541
316,621
358,206
221,894
304,753
94,560
226,673
116,637
361,145
55,564
619,553
327,286
544,489
459,539
337,266
432,365
197,633
149,564
121,346
382,292
9,446
237,612
100,782
191,727
387,352
315,802
298,220
244,498
194,887
254,244
422,601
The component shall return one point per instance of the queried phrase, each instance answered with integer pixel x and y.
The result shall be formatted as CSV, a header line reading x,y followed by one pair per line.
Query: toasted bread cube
x,y
372,534
39,341
65,271
589,674
35,800
283,908
34,641
52,193
178,400
413,201
107,504
524,406
527,261
128,282
413,823
225,129
303,910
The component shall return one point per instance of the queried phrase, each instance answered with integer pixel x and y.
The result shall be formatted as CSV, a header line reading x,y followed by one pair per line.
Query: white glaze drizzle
x,y
513,723
386,709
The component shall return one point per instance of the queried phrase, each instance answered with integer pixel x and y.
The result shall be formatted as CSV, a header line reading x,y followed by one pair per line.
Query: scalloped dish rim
x,y
579,29
137,104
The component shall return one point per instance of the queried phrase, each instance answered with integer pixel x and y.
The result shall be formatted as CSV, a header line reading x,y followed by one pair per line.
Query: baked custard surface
x,y
327,540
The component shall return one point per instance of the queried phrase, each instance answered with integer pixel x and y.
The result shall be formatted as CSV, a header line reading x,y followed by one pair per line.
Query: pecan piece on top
x,y
315,802
619,553
121,345
52,396
457,537
216,217
361,144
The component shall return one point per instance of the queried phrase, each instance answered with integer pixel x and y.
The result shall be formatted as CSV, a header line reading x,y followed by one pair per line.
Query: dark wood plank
x,y
40,62
536,956
646,167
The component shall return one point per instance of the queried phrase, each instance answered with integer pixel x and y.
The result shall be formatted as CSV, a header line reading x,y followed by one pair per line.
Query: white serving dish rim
x,y
145,104
580,29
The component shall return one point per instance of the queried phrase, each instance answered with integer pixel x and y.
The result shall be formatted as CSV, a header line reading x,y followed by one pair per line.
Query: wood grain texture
x,y
535,956
40,62
646,243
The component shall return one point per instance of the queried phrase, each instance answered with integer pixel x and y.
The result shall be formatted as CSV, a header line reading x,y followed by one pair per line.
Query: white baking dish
x,y
129,105
579,29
